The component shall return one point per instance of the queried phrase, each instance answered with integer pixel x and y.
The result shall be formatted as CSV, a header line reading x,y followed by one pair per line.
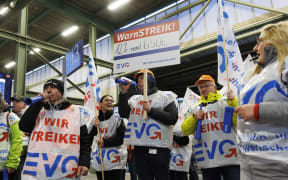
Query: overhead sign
x,y
74,58
146,46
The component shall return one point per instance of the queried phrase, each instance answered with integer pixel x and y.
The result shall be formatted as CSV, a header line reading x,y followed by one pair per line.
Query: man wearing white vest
x,y
59,145
153,136
10,143
19,108
215,152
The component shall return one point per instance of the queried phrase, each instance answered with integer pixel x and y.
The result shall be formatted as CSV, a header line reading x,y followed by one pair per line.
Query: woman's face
x,y
107,104
259,49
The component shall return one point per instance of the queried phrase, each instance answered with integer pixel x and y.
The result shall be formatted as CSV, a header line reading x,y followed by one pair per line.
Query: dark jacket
x,y
181,140
117,138
28,121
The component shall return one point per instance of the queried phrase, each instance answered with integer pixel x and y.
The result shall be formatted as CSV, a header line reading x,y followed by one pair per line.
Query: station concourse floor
x,y
127,177
94,177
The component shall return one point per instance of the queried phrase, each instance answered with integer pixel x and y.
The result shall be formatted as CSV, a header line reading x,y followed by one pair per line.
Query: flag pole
x,y
98,135
92,90
225,56
145,91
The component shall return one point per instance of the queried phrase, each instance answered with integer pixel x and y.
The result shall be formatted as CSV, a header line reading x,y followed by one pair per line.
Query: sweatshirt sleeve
x,y
28,119
274,113
124,108
92,134
189,125
167,116
181,140
85,148
15,146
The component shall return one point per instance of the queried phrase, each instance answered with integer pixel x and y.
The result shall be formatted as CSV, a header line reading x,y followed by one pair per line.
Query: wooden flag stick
x,y
100,154
99,136
226,61
145,91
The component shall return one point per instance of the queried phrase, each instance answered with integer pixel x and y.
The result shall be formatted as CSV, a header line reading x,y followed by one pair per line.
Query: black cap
x,y
17,98
55,83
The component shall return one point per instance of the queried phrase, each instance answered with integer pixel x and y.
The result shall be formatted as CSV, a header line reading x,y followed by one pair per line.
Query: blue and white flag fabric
x,y
92,93
233,55
189,102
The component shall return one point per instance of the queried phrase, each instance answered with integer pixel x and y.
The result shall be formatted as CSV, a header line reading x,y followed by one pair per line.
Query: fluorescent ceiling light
x,y
70,30
36,50
10,64
3,10
32,52
13,3
117,4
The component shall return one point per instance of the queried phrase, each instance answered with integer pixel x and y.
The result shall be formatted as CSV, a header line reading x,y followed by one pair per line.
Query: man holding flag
x,y
215,152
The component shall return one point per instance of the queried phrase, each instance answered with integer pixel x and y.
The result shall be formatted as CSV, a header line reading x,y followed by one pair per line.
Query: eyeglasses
x,y
204,86
259,40
109,100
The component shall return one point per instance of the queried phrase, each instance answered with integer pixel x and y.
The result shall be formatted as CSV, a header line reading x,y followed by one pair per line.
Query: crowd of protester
x,y
52,138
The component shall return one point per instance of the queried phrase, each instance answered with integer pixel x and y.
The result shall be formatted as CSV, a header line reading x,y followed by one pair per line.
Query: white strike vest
x,y
54,146
149,132
262,140
216,148
6,120
113,157
180,157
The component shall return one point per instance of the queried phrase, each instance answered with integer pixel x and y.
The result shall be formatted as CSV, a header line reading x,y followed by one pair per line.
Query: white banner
x,y
190,99
92,94
146,46
233,55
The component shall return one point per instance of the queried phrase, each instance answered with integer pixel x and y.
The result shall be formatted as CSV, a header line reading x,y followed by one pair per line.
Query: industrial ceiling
x,y
48,18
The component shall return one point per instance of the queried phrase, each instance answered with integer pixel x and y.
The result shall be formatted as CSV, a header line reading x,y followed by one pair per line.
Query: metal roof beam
x,y
44,60
195,18
151,10
211,42
34,20
39,16
182,9
279,11
71,11
46,45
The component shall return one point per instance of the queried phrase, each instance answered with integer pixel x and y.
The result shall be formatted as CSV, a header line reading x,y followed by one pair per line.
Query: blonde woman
x,y
263,123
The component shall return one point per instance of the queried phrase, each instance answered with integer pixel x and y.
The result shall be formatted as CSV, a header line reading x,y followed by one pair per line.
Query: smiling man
x,y
59,147
214,151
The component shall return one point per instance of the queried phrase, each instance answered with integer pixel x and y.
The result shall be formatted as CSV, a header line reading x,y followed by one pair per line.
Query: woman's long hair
x,y
277,36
